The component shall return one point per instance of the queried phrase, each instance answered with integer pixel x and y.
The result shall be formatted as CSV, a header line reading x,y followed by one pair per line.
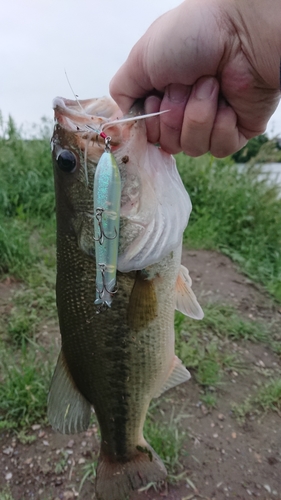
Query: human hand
x,y
215,65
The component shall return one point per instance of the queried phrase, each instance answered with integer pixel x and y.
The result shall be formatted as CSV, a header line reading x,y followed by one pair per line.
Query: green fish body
x,y
118,360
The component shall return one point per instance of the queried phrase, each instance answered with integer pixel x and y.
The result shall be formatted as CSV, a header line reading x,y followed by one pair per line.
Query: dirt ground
x,y
223,458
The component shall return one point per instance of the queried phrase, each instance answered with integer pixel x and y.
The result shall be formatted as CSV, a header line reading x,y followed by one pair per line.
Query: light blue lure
x,y
107,199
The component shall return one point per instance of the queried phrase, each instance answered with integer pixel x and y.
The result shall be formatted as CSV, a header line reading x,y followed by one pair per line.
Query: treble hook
x,y
102,235
104,287
107,141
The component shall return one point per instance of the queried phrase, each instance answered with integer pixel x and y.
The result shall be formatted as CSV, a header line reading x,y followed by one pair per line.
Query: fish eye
x,y
66,161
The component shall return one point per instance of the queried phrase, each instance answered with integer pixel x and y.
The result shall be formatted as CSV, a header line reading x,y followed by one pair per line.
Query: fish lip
x,y
88,117
59,102
67,116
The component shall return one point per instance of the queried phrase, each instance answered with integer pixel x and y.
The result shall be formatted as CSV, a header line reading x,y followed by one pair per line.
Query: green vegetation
x,y
27,252
209,399
170,447
259,149
27,217
204,346
267,397
6,494
234,211
23,389
89,473
223,321
237,212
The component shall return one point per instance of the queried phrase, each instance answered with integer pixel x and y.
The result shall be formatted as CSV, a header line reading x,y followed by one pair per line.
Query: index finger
x,y
125,87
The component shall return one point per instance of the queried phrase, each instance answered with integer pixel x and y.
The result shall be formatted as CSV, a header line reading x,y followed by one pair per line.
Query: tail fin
x,y
118,480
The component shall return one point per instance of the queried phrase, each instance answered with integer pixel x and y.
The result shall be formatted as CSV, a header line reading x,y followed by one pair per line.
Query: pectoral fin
x,y
142,307
68,411
177,375
186,301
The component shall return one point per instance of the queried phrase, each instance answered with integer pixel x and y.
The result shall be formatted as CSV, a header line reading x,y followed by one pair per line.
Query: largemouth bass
x,y
121,358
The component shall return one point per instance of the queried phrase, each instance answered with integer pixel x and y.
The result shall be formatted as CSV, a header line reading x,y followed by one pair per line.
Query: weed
x,y
223,321
235,210
25,176
208,372
16,255
276,346
61,463
23,391
89,472
269,396
243,410
26,199
202,346
205,355
32,303
6,494
25,438
153,485
209,399
21,325
167,440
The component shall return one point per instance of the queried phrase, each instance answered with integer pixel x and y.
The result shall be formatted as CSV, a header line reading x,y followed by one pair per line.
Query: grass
x,y
26,187
204,346
61,462
32,302
236,212
23,389
166,440
224,322
6,494
209,399
89,473
27,201
267,397
233,211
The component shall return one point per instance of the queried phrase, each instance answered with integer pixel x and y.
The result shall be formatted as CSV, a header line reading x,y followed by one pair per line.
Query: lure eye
x,y
66,161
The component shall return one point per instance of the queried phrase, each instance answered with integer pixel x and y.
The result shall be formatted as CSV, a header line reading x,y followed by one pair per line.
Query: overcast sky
x,y
40,39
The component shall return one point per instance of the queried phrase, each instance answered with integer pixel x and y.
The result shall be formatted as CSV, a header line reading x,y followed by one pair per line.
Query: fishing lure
x,y
107,200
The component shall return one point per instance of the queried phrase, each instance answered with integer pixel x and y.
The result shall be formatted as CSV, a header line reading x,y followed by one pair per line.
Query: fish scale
x,y
119,359
98,338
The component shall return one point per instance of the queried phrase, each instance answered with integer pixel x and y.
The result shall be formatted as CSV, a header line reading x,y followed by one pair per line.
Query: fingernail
x,y
204,90
152,104
177,92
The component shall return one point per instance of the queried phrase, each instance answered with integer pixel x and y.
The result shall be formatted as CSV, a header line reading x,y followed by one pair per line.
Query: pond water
x,y
275,171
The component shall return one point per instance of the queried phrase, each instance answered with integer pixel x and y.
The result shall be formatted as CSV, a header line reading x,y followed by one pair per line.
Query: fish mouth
x,y
91,120
85,115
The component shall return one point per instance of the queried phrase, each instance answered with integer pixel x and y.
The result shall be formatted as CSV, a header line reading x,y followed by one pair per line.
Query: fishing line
x,y
89,127
75,95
